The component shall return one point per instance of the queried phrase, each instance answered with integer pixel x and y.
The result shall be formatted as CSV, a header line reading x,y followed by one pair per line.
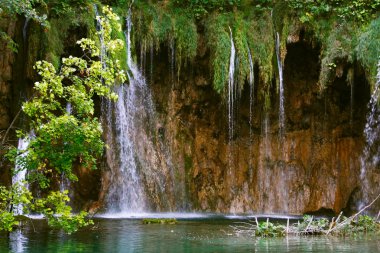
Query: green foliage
x,y
339,47
156,24
59,214
9,199
7,221
54,207
25,7
310,225
170,221
357,10
11,45
62,140
268,229
240,34
261,41
186,38
200,8
368,49
219,42
363,224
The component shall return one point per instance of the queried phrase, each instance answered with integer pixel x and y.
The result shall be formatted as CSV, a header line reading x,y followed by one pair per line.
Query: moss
x,y
52,40
186,38
121,56
34,49
368,49
218,40
254,25
170,221
188,164
339,47
240,32
262,43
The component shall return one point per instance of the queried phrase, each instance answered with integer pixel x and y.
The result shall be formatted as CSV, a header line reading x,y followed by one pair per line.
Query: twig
x,y
355,215
10,126
308,225
337,219
13,122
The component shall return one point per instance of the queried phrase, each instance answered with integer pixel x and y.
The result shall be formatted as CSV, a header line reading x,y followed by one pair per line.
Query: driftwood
x,y
252,227
347,221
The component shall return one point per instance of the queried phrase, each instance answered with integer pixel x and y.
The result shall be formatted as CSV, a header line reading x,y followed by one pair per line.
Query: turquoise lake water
x,y
189,235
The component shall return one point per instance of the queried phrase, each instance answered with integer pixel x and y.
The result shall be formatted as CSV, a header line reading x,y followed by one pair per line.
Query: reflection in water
x,y
189,235
16,241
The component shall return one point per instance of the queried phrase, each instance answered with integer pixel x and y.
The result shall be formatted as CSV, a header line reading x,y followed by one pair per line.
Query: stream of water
x,y
20,173
281,114
137,148
370,158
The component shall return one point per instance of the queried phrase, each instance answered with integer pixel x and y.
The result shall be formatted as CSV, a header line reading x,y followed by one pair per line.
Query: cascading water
x,y
172,60
370,158
125,192
231,90
138,157
25,29
65,182
99,28
20,173
231,113
251,104
151,63
281,114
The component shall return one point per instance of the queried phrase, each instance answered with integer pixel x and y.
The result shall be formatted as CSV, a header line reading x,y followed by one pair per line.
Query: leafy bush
x,y
268,229
61,139
54,207
200,8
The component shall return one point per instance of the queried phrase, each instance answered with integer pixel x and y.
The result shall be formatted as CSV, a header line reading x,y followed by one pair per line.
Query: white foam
x,y
168,215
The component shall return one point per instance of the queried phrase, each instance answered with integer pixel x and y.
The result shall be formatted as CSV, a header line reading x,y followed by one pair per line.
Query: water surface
x,y
202,234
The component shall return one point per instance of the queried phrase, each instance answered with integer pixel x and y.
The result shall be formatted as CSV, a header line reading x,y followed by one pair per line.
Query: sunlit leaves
x,y
62,139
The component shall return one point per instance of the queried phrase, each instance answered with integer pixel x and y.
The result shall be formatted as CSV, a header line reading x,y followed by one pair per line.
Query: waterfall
x,y
25,29
99,28
20,172
370,158
266,130
151,62
172,60
352,103
281,114
251,104
231,90
141,171
65,182
126,192
231,114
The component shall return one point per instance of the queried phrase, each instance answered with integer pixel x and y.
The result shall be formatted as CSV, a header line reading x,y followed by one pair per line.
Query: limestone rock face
x,y
315,168
7,58
6,61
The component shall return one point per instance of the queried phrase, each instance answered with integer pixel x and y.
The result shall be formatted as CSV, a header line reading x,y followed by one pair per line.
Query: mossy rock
x,y
170,221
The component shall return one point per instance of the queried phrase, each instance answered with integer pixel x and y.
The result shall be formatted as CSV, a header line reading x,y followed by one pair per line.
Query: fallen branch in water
x,y
347,221
312,226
